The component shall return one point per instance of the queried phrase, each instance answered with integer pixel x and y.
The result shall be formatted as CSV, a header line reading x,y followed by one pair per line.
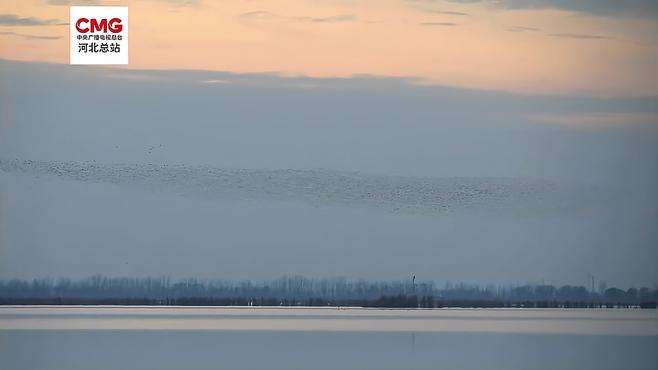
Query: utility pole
x,y
591,277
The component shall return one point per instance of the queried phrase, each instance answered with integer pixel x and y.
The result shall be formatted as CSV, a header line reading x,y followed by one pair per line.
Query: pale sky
x,y
599,48
600,154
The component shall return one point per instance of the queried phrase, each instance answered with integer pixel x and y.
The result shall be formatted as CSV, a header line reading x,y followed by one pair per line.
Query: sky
x,y
533,91
603,48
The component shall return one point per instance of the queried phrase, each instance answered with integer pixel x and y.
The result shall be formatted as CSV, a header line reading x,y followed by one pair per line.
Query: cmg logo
x,y
84,25
99,35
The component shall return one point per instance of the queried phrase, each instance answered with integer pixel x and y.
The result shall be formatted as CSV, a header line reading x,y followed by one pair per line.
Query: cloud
x,y
596,118
31,37
69,2
14,20
423,6
75,2
259,15
335,18
622,8
580,36
180,3
432,24
523,29
136,76
216,81
575,36
262,15
446,12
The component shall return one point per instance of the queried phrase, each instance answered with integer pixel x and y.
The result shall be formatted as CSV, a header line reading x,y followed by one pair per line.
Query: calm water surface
x,y
124,338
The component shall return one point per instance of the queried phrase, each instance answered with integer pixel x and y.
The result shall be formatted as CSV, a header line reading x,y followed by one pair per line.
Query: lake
x,y
124,338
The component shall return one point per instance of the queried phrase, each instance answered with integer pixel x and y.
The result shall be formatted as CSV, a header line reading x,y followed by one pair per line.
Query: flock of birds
x,y
316,187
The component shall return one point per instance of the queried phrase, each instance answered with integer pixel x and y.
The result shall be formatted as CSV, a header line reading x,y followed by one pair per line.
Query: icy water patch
x,y
553,321
126,338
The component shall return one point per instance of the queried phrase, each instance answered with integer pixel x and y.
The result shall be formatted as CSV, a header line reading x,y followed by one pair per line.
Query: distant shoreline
x,y
384,302
295,291
340,308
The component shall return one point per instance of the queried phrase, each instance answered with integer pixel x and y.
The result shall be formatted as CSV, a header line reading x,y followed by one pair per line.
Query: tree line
x,y
303,291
